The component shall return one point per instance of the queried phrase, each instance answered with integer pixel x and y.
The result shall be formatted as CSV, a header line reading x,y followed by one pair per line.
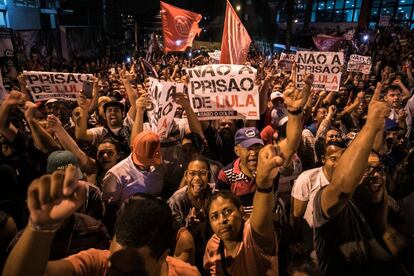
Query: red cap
x,y
146,149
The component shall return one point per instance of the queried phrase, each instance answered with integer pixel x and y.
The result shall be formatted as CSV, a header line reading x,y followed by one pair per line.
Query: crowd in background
x,y
322,184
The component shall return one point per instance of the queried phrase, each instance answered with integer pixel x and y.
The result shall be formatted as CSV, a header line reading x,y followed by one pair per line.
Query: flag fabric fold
x,y
179,27
235,41
326,42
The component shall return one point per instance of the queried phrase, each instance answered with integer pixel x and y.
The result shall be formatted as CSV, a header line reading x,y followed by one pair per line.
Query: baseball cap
x,y
114,103
60,160
275,95
51,101
146,149
247,137
391,125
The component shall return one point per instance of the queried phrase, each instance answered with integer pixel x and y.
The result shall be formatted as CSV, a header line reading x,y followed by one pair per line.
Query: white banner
x,y
223,90
51,85
215,55
360,64
286,61
325,66
162,94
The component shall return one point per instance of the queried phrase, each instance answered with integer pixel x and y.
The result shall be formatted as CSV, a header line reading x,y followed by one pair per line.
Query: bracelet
x,y
264,190
51,228
295,112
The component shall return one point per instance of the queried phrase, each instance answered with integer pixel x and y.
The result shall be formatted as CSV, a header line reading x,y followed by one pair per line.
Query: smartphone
x,y
87,89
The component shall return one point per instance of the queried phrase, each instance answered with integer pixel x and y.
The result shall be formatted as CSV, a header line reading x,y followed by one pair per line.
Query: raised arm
x,y
326,123
7,129
193,123
355,159
95,97
269,162
131,92
87,164
141,103
264,92
295,100
51,199
41,138
81,127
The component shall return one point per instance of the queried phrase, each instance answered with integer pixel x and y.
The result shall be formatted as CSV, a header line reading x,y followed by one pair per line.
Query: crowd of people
x,y
322,184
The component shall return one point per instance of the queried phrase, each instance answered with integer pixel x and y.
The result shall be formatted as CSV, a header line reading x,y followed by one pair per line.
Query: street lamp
x,y
238,7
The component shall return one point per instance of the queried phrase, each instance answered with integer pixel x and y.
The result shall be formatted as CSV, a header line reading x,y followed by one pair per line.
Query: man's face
x,y
321,114
373,181
393,98
107,155
333,135
330,160
342,92
62,111
225,219
196,176
114,115
226,128
188,149
394,138
248,157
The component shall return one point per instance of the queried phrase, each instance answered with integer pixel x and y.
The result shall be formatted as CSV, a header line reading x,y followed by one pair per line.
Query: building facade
x,y
29,14
345,13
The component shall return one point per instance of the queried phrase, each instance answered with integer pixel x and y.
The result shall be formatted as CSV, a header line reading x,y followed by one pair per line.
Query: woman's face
x,y
226,220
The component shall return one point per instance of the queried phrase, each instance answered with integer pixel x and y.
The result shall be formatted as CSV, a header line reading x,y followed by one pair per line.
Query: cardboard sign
x,y
286,61
164,107
223,90
44,86
360,64
325,66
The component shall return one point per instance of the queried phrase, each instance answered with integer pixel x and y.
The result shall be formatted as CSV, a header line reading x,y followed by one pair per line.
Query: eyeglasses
x,y
199,173
371,170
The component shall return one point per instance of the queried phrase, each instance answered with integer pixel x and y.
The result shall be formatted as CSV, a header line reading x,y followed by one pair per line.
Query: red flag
x,y
179,27
326,42
236,41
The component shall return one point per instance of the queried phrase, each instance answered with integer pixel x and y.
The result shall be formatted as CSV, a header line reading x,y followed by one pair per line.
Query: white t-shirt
x,y
124,180
98,133
305,188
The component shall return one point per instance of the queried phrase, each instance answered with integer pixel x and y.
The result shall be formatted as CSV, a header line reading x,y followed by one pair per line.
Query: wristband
x,y
51,228
264,190
295,112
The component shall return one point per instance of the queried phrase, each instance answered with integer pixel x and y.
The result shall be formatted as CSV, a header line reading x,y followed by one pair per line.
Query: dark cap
x,y
247,136
59,160
114,104
391,125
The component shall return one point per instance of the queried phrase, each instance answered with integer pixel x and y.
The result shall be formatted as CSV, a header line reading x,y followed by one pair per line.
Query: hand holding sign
x,y
182,99
144,102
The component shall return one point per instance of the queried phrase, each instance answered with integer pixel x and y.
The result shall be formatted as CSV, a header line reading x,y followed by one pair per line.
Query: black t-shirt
x,y
345,244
